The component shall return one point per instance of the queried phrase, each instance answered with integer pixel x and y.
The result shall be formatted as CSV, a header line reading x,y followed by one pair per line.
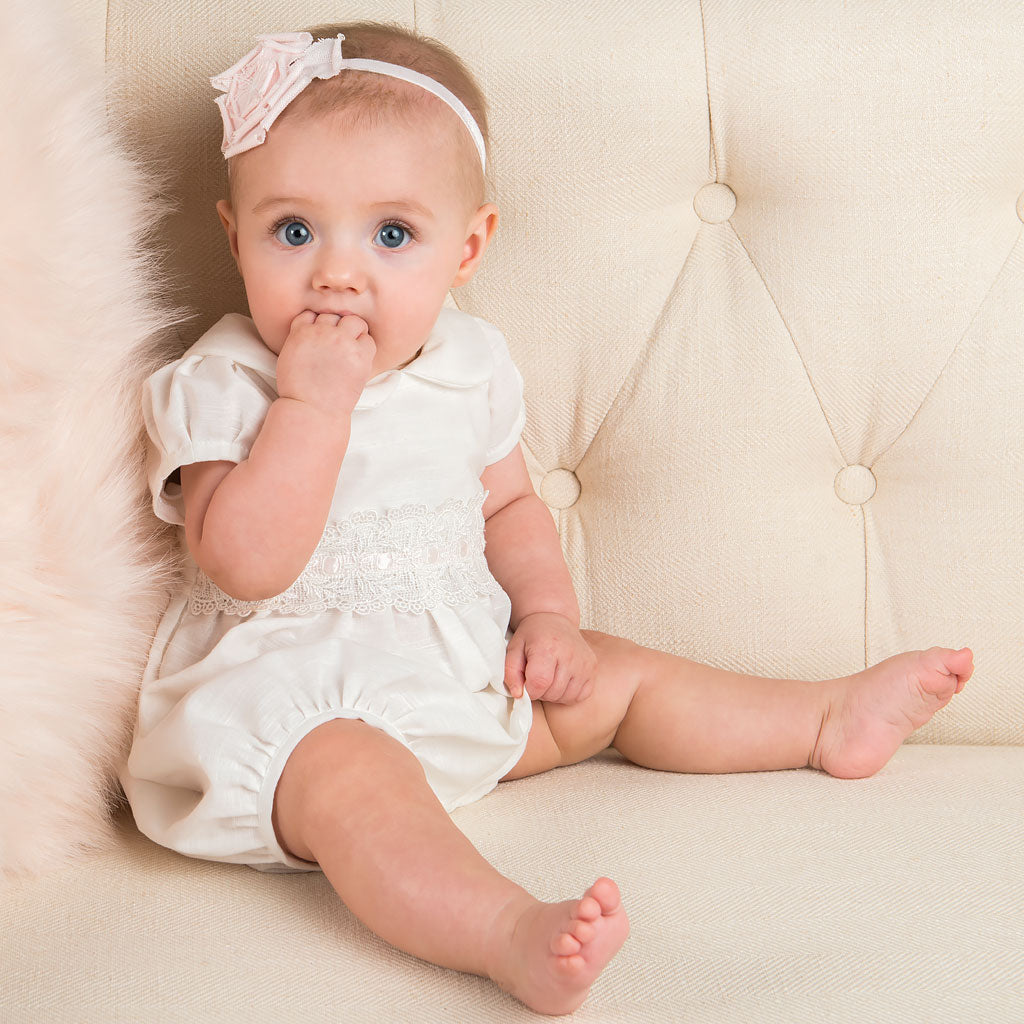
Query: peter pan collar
x,y
455,355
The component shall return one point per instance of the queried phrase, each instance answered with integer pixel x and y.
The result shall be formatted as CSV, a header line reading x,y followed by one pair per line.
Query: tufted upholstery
x,y
747,272
761,266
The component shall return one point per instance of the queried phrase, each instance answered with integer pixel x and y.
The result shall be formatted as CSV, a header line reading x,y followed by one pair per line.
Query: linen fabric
x,y
775,897
396,620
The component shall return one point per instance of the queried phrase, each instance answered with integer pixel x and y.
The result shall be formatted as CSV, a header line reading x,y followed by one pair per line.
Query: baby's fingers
x,y
568,688
515,663
357,325
540,675
307,316
582,690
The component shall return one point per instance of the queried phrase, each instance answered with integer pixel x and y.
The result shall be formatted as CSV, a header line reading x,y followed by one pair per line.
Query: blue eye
x,y
293,233
393,236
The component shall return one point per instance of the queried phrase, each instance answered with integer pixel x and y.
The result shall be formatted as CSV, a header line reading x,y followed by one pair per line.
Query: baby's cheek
x,y
271,322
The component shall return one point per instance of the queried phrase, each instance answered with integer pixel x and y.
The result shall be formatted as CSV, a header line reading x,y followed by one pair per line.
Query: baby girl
x,y
378,625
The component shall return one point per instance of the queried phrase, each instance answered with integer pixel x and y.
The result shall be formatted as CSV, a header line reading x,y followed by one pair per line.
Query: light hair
x,y
371,98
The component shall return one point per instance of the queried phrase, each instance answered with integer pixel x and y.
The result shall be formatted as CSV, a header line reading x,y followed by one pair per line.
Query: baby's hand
x,y
326,361
548,657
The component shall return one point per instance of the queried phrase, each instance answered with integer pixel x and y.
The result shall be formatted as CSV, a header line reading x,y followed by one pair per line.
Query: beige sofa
x,y
761,265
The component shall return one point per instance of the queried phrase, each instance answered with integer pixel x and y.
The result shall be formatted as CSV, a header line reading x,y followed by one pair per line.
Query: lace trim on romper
x,y
409,558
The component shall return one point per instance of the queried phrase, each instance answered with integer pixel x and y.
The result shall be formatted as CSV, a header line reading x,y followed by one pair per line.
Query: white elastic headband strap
x,y
259,87
379,67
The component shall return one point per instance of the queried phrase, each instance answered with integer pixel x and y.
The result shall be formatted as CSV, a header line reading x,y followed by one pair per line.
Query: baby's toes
x,y
931,675
606,894
944,662
564,944
589,909
961,664
583,930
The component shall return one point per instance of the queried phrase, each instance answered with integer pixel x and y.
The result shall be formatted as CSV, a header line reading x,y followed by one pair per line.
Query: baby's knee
x,y
335,765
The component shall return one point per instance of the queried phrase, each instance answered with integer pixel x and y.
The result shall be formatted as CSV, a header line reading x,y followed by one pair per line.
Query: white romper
x,y
396,619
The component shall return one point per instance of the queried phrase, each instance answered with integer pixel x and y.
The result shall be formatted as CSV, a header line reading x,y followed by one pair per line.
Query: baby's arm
x,y
547,655
252,527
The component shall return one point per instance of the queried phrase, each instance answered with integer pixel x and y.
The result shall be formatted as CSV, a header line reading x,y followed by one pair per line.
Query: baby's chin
x,y
271,341
392,357
272,335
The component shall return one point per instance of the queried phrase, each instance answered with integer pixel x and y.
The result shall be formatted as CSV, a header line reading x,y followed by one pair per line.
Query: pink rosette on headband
x,y
259,87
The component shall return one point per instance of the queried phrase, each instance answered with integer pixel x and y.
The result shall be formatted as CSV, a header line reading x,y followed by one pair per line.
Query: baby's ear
x,y
227,218
482,226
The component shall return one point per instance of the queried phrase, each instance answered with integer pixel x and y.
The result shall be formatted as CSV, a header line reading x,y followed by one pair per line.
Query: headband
x,y
259,87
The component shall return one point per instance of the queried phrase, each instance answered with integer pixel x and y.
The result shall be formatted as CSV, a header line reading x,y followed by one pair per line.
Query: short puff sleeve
x,y
505,394
201,408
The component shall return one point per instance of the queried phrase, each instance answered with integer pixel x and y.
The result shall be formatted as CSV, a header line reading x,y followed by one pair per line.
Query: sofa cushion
x,y
778,896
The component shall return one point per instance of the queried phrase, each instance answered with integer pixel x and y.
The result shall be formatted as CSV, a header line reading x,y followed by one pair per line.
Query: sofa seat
x,y
784,896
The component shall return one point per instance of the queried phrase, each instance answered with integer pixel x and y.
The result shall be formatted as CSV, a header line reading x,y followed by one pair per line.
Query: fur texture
x,y
83,570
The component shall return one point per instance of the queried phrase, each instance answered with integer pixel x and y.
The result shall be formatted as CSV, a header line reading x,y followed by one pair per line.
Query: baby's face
x,y
336,217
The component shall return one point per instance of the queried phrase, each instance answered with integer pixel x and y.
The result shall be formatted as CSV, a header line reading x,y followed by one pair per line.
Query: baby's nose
x,y
338,269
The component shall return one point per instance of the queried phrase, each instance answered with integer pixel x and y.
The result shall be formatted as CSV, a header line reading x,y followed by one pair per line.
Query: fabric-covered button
x,y
560,488
855,484
714,202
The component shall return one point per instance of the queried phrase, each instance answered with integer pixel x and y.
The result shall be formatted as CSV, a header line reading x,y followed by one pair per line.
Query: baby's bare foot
x,y
874,711
557,950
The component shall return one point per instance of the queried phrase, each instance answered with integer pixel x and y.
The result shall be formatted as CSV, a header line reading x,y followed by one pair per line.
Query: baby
x,y
348,662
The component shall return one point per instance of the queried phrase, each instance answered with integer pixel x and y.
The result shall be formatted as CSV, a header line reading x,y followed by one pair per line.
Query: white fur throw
x,y
82,571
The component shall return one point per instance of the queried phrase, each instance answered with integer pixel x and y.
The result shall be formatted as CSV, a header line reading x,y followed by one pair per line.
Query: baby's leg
x,y
849,727
357,802
665,712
